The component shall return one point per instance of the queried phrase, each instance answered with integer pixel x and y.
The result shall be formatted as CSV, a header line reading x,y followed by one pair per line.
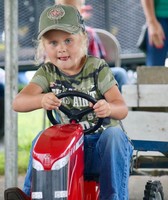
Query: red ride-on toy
x,y
58,158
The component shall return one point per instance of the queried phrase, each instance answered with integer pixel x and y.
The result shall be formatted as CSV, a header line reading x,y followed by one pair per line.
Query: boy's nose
x,y
62,48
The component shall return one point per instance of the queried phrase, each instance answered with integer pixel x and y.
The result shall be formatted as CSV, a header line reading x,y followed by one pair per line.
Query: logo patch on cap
x,y
56,13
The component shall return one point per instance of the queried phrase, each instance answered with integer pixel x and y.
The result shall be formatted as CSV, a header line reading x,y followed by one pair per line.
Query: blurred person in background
x,y
156,13
95,46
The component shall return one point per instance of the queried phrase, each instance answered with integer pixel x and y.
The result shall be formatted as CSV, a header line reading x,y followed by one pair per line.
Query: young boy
x,y
63,38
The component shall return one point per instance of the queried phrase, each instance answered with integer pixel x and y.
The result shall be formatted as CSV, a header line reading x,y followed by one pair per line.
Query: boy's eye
x,y
54,43
68,41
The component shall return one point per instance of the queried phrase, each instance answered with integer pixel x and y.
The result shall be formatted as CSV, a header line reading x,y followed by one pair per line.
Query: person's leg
x,y
120,75
91,156
156,56
115,151
27,182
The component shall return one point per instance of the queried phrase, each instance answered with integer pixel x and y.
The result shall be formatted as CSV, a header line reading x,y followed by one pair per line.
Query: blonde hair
x,y
41,56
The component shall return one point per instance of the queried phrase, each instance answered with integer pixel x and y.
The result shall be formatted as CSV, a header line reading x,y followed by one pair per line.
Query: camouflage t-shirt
x,y
94,79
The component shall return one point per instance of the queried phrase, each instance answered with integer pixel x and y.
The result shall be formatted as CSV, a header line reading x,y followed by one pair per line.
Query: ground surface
x,y
136,186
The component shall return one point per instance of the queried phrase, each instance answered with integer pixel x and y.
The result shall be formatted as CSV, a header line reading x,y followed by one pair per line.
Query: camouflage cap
x,y
61,17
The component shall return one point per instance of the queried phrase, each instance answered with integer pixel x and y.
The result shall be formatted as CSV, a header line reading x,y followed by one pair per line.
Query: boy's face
x,y
65,50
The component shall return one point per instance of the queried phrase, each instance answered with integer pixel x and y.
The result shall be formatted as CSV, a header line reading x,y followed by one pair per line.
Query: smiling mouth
x,y
64,58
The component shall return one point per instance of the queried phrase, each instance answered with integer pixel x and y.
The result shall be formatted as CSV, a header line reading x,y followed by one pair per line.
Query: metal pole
x,y
107,15
11,88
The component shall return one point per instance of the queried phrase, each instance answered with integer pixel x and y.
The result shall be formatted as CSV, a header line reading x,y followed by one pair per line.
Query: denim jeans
x,y
108,154
156,56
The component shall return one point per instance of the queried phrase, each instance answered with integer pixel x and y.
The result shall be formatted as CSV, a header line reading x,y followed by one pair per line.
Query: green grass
x,y
2,162
29,125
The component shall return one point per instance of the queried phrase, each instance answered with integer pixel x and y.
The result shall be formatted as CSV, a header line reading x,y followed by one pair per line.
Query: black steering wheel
x,y
75,114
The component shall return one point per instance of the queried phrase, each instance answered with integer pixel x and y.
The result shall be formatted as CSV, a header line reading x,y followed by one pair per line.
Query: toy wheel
x,y
153,191
75,114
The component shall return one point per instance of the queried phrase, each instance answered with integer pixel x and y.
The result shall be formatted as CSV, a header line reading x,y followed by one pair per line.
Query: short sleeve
x,y
40,78
105,78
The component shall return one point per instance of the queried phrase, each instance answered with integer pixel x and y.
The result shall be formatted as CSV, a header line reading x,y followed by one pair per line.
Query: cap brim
x,y
66,28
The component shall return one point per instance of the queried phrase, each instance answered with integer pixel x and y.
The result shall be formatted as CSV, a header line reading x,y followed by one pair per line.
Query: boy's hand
x,y
102,109
50,102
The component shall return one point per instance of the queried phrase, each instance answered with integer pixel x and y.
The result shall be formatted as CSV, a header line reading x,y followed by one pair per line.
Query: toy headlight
x,y
37,165
60,163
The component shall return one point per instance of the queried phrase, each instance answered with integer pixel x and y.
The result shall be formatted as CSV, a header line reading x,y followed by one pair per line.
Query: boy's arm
x,y
32,97
112,106
28,99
